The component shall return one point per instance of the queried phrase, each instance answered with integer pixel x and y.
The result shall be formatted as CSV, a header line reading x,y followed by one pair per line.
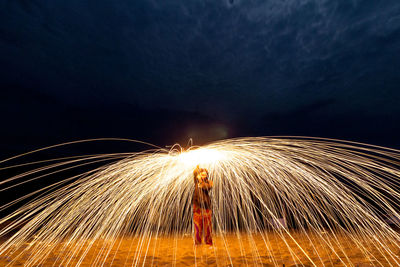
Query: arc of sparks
x,y
318,185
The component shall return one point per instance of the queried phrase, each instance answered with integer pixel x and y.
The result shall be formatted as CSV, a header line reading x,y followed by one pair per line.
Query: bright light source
x,y
201,156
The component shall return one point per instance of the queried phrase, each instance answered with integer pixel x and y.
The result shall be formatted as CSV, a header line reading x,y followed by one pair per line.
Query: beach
x,y
267,249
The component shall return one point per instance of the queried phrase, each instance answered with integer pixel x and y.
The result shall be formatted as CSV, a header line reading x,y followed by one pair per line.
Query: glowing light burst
x,y
324,189
202,156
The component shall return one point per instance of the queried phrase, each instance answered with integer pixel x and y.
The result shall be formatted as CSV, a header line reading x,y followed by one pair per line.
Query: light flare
x,y
319,189
201,156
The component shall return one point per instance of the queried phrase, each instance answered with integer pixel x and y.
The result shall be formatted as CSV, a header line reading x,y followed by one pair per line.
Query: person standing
x,y
202,210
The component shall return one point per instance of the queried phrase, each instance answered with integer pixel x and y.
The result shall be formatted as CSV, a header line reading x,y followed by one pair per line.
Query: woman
x,y
202,211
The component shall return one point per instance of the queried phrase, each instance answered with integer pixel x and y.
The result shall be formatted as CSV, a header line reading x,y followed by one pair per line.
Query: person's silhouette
x,y
202,210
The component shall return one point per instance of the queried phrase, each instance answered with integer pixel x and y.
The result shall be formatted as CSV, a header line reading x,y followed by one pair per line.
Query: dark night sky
x,y
164,71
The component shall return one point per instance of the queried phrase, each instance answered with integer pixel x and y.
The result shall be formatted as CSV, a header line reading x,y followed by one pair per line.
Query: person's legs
x,y
197,224
207,224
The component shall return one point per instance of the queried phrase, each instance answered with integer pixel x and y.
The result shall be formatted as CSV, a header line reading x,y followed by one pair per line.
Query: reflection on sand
x,y
234,249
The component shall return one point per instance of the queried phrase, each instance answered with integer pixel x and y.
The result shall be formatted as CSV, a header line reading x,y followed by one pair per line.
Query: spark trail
x,y
324,189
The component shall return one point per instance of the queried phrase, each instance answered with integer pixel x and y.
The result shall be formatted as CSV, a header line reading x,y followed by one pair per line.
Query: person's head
x,y
200,174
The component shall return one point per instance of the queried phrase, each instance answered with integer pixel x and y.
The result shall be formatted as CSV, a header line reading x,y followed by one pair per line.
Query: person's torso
x,y
202,198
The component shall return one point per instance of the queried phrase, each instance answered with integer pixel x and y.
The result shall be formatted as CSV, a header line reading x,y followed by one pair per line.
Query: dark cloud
x,y
161,70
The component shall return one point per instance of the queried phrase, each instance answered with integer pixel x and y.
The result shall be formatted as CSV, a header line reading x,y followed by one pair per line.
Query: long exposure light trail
x,y
323,189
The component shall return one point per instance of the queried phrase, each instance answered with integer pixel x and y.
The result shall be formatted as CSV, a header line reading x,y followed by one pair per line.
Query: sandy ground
x,y
248,250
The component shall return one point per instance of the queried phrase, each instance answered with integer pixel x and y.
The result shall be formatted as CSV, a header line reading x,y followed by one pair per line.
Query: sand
x,y
249,250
